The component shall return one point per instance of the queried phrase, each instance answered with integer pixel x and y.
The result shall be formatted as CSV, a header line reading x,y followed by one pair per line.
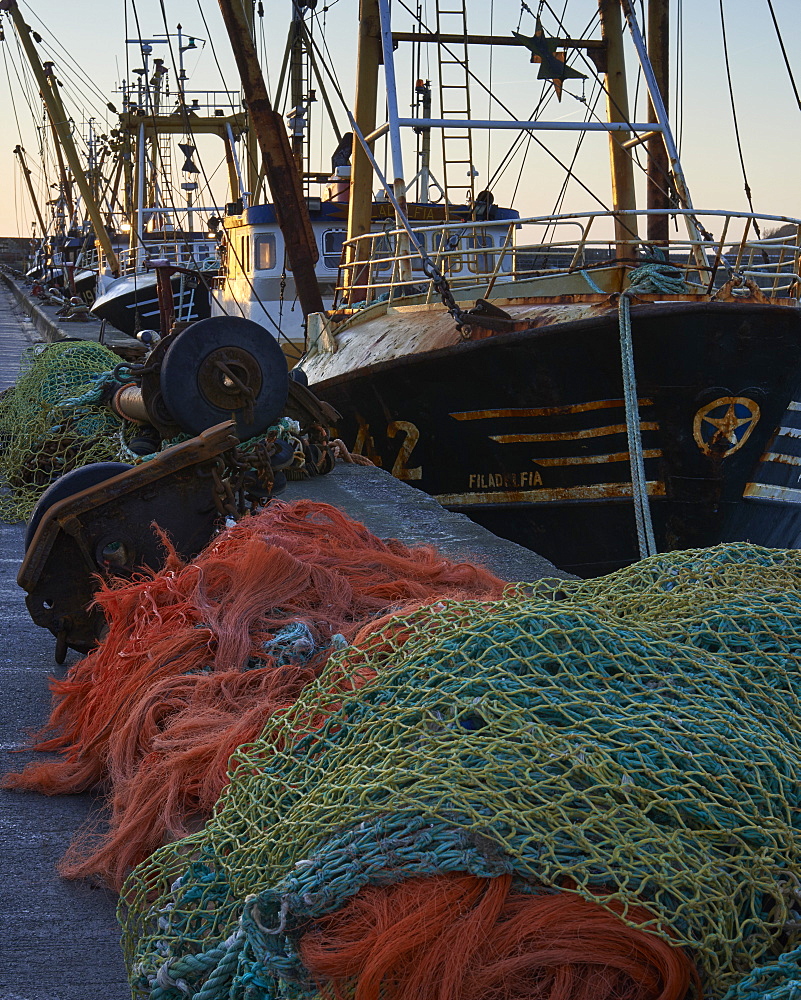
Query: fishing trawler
x,y
161,215
256,280
139,217
594,385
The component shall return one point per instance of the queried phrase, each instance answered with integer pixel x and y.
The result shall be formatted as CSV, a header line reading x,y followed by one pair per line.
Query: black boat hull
x,y
131,303
526,432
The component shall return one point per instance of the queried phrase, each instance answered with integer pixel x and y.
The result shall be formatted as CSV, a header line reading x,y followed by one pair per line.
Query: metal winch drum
x,y
222,368
221,380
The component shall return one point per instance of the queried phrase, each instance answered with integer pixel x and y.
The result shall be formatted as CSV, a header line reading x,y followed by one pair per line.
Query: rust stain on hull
x,y
598,491
545,411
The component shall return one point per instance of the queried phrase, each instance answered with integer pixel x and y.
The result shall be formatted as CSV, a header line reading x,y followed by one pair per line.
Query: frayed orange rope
x,y
458,937
186,673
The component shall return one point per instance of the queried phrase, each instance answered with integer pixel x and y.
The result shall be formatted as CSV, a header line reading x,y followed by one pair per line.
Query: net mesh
x,y
40,438
631,738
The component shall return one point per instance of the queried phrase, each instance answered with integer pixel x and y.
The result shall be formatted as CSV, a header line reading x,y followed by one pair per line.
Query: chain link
x,y
224,499
441,286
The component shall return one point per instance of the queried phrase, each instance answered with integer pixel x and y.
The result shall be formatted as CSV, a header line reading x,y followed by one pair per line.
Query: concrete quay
x,y
51,328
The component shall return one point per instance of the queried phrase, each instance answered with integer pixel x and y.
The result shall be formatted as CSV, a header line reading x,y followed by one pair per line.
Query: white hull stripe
x,y
762,491
775,456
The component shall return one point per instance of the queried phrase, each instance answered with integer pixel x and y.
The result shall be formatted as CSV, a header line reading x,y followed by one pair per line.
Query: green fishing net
x,y
633,737
41,438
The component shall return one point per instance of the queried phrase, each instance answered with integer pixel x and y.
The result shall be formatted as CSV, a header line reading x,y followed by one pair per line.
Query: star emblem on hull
x,y
723,426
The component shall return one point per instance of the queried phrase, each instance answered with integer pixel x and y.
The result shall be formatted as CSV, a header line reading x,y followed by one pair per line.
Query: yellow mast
x,y
658,163
19,152
58,117
617,108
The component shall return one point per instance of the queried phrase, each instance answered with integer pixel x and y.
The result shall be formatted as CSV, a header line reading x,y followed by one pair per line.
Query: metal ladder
x,y
454,101
165,173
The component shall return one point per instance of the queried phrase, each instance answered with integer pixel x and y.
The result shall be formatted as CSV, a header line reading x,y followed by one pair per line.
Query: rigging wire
x,y
595,96
127,50
17,198
520,171
734,117
678,99
230,243
67,87
589,191
184,113
251,154
538,141
210,37
157,160
25,85
11,94
264,61
79,71
784,54
74,83
520,138
489,97
633,152
546,96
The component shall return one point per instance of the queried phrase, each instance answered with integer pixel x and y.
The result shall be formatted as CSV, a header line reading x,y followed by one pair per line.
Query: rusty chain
x,y
441,286
222,492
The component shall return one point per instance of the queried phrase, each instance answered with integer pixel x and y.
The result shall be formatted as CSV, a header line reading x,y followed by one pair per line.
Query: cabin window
x,y
264,252
244,248
480,263
417,262
333,241
383,249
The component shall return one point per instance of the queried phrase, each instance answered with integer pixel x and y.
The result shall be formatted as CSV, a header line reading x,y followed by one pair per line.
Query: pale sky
x,y
86,39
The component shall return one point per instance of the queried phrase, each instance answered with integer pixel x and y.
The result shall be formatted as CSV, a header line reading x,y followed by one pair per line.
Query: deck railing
x,y
201,255
483,256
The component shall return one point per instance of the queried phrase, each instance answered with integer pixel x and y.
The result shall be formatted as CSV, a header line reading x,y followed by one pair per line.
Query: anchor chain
x,y
441,286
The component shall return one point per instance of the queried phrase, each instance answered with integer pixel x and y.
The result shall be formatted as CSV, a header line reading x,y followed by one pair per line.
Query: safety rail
x,y
88,258
201,255
486,255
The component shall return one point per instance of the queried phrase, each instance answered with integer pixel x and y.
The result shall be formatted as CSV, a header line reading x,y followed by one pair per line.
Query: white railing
x,y
201,255
485,255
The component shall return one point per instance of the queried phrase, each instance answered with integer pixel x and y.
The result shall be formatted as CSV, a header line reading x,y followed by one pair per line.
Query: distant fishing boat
x,y
160,217
137,212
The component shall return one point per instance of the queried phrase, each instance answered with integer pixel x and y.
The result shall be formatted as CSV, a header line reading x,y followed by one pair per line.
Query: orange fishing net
x,y
199,655
459,937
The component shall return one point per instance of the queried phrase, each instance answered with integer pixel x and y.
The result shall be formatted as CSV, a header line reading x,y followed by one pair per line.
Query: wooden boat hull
x,y
525,432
